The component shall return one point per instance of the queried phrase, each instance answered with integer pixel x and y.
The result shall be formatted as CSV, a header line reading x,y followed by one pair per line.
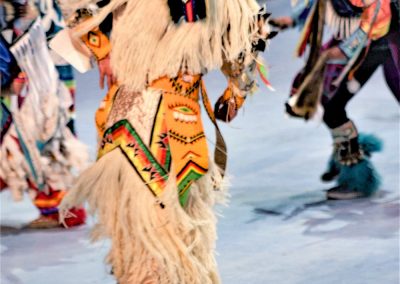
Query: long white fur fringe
x,y
149,244
146,42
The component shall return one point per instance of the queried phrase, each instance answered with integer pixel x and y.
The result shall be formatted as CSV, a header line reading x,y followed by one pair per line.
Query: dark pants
x,y
379,53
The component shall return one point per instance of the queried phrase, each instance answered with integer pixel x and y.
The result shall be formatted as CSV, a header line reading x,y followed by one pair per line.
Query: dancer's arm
x,y
375,22
95,34
97,40
241,82
241,77
298,17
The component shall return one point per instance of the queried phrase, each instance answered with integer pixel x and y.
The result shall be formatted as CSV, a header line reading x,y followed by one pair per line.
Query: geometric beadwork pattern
x,y
122,135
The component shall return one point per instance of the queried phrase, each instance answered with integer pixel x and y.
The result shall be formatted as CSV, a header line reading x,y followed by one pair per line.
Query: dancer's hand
x,y
335,53
228,105
18,83
282,22
106,72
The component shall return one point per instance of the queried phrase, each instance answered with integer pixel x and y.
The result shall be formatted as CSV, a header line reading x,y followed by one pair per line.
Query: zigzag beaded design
x,y
185,139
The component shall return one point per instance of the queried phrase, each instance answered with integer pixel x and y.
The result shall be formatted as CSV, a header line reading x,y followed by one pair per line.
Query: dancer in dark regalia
x,y
365,36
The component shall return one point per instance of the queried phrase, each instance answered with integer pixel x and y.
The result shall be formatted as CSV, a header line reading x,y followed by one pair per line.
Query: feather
x,y
262,70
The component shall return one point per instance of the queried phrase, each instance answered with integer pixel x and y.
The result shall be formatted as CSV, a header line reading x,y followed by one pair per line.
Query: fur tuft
x,y
369,143
361,177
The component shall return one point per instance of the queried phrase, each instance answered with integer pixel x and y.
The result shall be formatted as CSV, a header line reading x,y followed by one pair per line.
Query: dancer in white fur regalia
x,y
38,150
154,186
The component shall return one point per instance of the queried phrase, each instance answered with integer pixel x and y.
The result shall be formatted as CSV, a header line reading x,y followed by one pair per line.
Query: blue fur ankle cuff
x,y
361,177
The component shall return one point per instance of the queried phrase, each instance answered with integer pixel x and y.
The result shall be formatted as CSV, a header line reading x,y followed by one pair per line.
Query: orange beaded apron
x,y
177,135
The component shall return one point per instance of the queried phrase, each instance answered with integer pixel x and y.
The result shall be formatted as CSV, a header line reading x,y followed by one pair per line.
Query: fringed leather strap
x,y
220,153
